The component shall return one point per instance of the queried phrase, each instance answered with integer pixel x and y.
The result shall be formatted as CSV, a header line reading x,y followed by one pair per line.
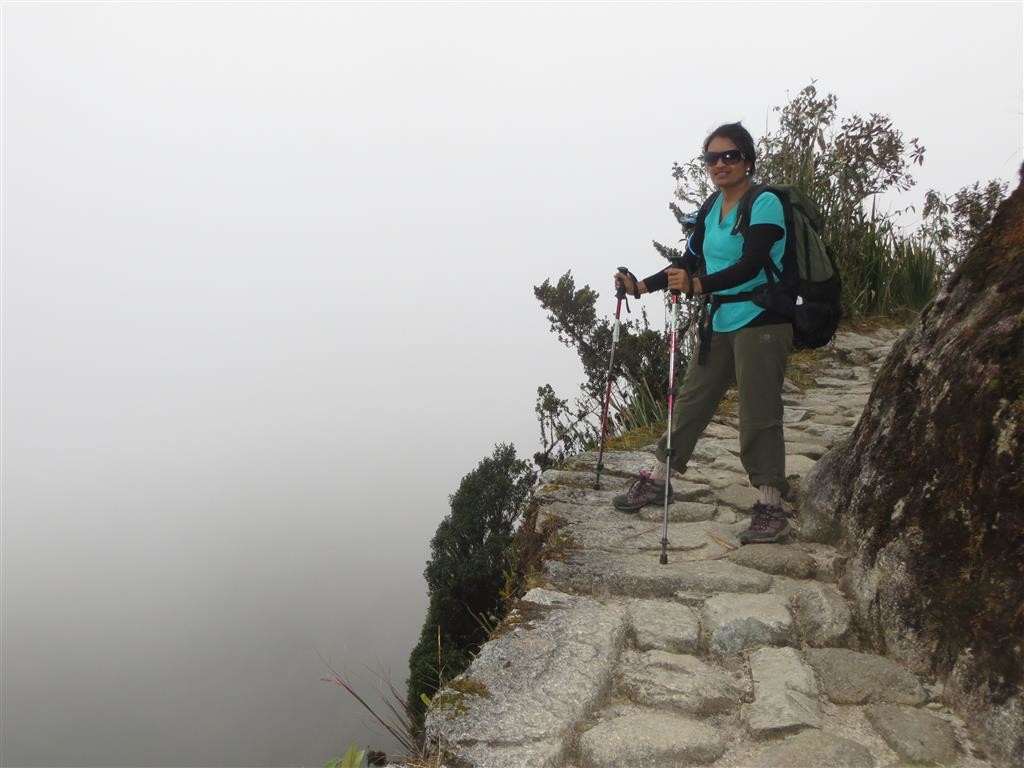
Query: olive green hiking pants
x,y
754,358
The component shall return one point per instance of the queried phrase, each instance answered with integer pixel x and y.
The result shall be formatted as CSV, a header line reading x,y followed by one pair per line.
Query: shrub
x,y
465,573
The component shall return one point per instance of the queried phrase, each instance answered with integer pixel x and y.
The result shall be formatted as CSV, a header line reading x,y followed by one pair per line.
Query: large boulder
x,y
927,496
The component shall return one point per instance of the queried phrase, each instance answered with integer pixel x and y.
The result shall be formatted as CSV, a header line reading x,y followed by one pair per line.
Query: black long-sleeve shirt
x,y
757,245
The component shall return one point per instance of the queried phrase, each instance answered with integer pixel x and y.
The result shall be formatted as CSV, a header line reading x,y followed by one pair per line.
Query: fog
x,y
267,277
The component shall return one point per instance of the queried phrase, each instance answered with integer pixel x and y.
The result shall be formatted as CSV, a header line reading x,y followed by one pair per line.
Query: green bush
x,y
465,574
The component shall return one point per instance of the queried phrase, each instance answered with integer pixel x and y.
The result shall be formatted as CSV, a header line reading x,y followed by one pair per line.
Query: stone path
x,y
728,656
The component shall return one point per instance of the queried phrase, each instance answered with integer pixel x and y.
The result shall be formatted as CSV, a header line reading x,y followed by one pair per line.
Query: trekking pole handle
x,y
620,291
676,262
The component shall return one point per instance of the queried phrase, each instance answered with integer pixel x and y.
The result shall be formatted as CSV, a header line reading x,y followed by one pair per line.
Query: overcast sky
x,y
267,277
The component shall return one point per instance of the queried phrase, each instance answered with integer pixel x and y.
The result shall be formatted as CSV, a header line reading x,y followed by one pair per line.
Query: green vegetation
x,y
353,758
466,574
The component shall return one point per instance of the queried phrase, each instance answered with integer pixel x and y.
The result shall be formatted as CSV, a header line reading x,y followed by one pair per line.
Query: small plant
x,y
353,758
398,723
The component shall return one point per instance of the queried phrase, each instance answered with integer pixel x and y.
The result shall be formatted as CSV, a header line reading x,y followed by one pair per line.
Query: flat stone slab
x,y
844,384
714,478
785,692
794,435
820,405
605,528
736,622
531,683
799,465
846,374
569,477
839,420
678,681
813,749
641,575
778,559
914,734
722,431
849,677
577,494
581,481
729,463
823,617
649,739
829,434
689,490
622,463
708,449
543,753
712,576
793,415
740,497
679,512
577,488
664,626
805,448
703,540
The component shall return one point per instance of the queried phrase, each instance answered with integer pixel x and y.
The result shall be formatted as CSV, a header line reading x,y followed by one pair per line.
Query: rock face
x,y
927,496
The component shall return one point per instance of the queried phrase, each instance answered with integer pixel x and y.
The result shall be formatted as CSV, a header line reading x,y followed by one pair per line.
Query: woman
x,y
748,345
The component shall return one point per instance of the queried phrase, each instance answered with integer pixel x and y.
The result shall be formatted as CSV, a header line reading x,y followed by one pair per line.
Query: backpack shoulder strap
x,y
705,207
744,206
702,214
746,203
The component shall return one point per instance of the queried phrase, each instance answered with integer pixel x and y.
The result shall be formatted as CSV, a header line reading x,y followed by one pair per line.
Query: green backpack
x,y
808,290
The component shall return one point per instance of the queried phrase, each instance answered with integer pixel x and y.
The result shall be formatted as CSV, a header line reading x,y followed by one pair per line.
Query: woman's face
x,y
725,167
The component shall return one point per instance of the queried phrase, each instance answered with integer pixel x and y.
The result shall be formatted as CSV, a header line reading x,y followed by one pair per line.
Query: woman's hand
x,y
678,280
621,278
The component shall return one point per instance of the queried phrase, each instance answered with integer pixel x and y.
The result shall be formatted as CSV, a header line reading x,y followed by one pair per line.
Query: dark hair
x,y
738,135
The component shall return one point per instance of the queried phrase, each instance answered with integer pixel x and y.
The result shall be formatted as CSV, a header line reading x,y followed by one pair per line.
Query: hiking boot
x,y
767,525
645,490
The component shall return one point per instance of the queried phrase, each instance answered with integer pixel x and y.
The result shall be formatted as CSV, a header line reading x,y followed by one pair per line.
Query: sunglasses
x,y
729,157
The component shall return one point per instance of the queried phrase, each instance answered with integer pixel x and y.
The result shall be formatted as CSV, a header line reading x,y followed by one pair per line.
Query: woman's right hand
x,y
621,278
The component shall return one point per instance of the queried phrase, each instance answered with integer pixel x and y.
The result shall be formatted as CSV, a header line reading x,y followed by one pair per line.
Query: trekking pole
x,y
620,295
688,222
668,435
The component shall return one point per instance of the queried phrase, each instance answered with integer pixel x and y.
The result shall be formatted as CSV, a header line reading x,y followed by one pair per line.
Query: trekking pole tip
x,y
663,559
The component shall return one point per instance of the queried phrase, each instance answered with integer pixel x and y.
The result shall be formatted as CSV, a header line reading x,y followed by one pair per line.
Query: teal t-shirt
x,y
722,249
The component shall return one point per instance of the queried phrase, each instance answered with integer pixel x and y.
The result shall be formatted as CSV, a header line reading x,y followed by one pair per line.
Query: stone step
x,y
645,738
785,693
737,622
851,677
679,682
548,668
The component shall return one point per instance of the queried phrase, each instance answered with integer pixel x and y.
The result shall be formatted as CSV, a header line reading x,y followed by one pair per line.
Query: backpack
x,y
809,289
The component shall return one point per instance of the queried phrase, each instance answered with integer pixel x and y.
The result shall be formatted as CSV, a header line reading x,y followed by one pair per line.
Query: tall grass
x,y
884,273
